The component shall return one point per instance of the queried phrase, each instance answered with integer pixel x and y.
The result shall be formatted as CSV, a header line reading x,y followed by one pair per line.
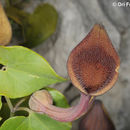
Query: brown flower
x,y
93,64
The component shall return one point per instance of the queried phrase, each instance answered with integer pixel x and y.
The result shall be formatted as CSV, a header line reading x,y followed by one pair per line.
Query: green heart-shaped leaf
x,y
34,122
23,72
40,25
37,26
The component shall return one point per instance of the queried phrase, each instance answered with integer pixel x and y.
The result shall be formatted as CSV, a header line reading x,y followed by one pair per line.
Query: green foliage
x,y
38,26
41,24
25,72
34,122
58,98
39,121
22,71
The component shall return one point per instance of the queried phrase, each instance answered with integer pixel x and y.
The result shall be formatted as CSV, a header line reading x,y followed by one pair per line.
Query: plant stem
x,y
23,109
10,106
16,108
19,103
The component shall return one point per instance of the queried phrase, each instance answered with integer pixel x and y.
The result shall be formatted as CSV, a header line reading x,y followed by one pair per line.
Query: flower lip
x,y
93,64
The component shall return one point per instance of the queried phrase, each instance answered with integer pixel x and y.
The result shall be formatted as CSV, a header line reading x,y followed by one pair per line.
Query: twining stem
x,y
10,106
65,114
16,108
19,103
23,109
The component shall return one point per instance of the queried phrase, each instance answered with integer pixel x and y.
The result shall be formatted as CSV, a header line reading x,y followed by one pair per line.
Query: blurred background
x,y
75,20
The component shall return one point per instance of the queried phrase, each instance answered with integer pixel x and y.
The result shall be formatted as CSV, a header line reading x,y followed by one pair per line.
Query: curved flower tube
x,y
57,113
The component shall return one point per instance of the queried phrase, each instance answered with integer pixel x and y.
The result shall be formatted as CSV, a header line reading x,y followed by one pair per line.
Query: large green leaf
x,y
12,123
37,26
40,25
24,72
34,122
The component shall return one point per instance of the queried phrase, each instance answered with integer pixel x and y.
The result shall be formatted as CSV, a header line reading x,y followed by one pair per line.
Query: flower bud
x,y
39,98
96,119
5,28
93,64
